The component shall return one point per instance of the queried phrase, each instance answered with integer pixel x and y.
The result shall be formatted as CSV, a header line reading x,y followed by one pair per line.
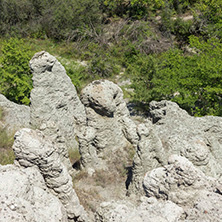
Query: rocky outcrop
x,y
25,198
175,132
149,155
176,192
106,129
177,168
55,106
196,138
188,187
13,116
149,210
33,149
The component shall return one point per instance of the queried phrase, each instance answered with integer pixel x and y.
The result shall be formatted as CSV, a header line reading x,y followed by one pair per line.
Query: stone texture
x,y
188,187
197,138
25,198
14,116
105,132
149,155
32,148
55,106
149,210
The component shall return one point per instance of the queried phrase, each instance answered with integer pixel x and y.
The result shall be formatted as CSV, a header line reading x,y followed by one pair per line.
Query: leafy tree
x,y
15,75
194,81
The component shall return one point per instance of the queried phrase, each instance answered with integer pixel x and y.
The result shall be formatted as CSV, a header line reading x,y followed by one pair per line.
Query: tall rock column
x,y
33,148
55,107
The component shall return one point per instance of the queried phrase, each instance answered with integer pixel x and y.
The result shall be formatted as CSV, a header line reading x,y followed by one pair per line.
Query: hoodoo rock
x,y
55,107
106,114
33,149
149,155
174,176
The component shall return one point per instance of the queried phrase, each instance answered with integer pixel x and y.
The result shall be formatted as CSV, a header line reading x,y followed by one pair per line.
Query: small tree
x,y
15,75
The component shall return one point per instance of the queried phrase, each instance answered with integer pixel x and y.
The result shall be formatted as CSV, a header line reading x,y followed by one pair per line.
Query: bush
x,y
194,81
15,78
77,73
55,19
208,18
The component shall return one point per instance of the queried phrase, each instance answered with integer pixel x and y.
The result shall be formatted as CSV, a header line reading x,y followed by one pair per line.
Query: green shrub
x,y
193,81
77,73
15,78
208,18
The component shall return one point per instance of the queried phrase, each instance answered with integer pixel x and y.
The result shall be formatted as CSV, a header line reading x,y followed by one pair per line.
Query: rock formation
x,y
175,192
55,107
33,148
176,173
13,116
107,117
149,155
148,210
175,132
196,138
25,198
188,187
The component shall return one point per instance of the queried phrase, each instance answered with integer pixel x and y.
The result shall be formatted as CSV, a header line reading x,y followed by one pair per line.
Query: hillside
x,y
110,111
168,49
129,168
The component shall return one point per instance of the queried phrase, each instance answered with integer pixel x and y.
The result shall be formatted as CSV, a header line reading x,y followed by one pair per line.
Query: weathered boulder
x,y
55,107
149,210
106,129
33,149
188,187
149,155
25,198
13,116
196,138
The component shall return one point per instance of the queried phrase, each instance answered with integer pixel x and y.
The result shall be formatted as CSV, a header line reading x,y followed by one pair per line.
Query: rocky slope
x,y
166,167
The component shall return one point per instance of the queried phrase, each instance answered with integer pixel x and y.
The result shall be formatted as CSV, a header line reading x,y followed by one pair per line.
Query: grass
x,y
6,152
74,156
7,156
6,141
1,113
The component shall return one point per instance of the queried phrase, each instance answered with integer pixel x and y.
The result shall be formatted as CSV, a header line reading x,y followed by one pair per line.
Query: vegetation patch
x,y
7,156
6,152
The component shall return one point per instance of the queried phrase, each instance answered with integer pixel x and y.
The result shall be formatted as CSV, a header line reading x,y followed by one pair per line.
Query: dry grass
x,y
1,113
7,156
74,156
6,141
105,184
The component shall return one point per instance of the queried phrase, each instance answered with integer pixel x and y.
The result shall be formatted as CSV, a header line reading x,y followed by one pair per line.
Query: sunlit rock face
x,y
33,149
108,124
55,106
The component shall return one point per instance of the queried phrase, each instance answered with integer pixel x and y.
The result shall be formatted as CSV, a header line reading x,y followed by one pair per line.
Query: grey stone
x,y
25,200
14,116
188,187
55,106
196,138
148,210
149,155
33,148
105,133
